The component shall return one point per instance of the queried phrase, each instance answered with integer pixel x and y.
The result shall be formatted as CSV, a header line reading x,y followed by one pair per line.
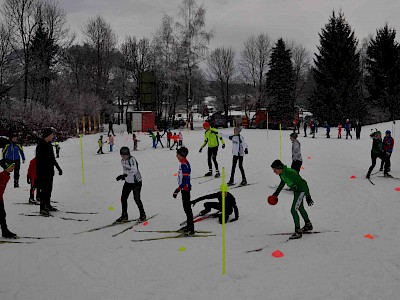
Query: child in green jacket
x,y
300,189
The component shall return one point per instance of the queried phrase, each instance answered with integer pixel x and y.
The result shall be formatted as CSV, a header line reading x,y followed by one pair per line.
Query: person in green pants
x,y
300,189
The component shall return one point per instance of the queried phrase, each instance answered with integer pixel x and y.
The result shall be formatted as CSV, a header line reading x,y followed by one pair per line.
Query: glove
x,y
246,151
201,149
310,202
60,172
223,146
176,192
28,180
121,177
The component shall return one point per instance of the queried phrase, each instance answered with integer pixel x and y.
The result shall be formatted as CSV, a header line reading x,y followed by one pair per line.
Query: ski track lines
x,y
337,265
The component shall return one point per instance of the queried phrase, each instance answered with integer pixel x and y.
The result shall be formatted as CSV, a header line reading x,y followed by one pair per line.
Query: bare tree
x,y
301,60
9,73
20,16
102,40
193,39
254,64
221,69
137,57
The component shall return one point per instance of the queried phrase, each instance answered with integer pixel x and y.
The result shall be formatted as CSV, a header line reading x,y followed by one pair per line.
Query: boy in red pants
x,y
4,178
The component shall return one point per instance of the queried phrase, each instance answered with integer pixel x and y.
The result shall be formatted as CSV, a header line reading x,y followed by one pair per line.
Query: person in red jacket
x,y
31,179
4,178
388,144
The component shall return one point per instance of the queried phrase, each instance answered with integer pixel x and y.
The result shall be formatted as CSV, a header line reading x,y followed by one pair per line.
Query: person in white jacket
x,y
297,160
133,182
239,148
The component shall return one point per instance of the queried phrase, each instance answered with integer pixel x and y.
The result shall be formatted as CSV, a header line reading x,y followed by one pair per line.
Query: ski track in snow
x,y
334,265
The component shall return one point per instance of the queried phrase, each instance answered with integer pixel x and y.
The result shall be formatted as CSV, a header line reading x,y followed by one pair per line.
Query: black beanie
x,y
46,132
277,164
183,151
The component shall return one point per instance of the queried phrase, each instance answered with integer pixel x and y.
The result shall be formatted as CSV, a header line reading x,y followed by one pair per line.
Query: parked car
x,y
219,120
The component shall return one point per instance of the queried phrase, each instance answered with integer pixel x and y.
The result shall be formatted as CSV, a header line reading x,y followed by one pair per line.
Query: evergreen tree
x,y
280,83
383,80
337,73
43,51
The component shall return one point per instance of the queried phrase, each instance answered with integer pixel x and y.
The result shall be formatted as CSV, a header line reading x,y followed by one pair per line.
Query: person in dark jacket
x,y
358,130
45,163
376,151
230,205
13,153
388,144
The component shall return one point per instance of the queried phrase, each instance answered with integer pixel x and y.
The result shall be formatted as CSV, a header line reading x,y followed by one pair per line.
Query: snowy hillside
x,y
334,265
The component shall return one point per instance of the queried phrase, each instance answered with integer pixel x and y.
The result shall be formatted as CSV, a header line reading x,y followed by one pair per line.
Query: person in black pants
x,y
158,138
230,205
133,183
358,130
45,163
184,186
376,152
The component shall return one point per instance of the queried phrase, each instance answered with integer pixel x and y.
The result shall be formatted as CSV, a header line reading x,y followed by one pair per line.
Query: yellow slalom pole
x,y
83,171
224,189
280,141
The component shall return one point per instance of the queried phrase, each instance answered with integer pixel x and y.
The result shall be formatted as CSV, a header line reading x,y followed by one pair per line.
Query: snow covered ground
x,y
95,265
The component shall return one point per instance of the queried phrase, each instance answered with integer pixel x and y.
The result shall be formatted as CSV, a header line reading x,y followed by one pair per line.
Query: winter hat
x,y
46,132
183,151
277,164
388,132
206,125
293,135
124,151
12,134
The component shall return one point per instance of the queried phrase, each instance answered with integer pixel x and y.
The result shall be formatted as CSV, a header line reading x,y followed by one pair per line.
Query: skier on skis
x,y
230,205
388,144
211,138
133,183
239,149
100,143
300,189
377,152
45,163
13,152
158,140
184,186
4,178
31,179
297,160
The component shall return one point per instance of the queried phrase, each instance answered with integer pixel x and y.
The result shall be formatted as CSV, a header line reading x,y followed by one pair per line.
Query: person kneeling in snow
x,y
230,205
300,189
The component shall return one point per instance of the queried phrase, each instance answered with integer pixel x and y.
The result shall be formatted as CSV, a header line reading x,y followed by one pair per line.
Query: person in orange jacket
x,y
175,138
31,179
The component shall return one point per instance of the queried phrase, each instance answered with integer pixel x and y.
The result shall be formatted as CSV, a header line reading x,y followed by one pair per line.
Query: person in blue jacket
x,y
184,186
13,153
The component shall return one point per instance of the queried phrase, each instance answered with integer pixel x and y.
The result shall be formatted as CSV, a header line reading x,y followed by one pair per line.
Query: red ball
x,y
272,200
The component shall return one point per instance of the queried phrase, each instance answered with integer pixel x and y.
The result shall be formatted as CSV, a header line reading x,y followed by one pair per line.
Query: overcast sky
x,y
235,20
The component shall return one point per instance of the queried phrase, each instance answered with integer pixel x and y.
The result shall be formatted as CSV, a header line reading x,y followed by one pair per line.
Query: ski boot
x,y
188,232
51,208
209,173
204,212
217,175
8,234
142,216
44,212
381,170
230,182
386,174
32,201
16,184
307,227
122,219
296,235
244,182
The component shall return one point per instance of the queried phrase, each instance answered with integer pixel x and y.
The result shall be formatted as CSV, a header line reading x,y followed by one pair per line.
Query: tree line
x,y
48,77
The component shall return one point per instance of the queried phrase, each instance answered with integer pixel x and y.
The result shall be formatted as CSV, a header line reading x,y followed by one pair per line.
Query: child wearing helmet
x,y
300,189
133,183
